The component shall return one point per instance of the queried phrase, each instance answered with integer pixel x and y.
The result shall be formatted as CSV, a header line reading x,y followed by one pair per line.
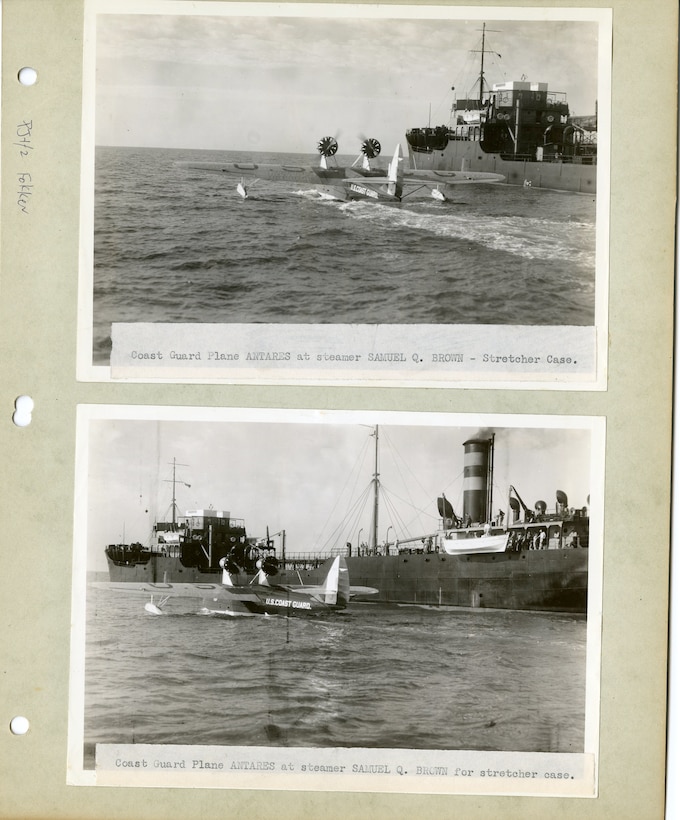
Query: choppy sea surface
x,y
372,676
179,245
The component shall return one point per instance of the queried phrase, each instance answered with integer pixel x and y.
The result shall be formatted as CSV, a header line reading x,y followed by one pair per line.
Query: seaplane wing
x,y
356,592
258,598
299,174
169,590
438,182
208,597
449,177
358,181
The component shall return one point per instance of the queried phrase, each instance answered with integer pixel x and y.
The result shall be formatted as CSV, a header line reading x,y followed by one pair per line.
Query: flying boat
x,y
261,597
363,179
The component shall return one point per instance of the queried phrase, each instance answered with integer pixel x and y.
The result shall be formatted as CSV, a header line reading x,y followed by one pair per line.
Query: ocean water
x,y
371,676
176,245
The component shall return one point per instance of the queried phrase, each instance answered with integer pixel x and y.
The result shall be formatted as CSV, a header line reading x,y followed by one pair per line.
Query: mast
x,y
174,486
481,71
489,483
483,51
174,498
376,488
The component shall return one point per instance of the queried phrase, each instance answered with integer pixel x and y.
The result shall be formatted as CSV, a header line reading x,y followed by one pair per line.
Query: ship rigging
x,y
520,558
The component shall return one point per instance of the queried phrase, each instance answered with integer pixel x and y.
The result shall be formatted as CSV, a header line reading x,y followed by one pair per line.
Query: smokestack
x,y
476,485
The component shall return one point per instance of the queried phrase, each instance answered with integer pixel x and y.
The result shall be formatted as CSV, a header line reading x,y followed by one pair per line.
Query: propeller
x,y
230,565
269,565
327,146
370,148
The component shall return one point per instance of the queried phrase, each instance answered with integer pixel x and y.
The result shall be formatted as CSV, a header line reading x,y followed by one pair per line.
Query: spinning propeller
x,y
269,565
370,148
327,146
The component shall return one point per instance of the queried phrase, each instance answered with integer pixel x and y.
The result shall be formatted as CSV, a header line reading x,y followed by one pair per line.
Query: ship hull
x,y
466,155
554,580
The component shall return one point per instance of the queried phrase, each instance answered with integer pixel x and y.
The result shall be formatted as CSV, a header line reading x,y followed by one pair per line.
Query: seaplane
x,y
362,180
261,597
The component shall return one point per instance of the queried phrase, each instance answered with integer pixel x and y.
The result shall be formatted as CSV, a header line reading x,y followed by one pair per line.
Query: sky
x,y
279,84
304,477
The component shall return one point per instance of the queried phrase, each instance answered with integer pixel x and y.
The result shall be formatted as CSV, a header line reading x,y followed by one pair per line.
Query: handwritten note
x,y
23,141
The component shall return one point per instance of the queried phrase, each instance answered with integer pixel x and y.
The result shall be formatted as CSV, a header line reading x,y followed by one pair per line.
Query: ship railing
x,y
302,561
556,98
564,159
169,550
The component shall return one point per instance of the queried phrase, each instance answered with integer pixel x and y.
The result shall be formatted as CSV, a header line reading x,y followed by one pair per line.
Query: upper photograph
x,y
390,195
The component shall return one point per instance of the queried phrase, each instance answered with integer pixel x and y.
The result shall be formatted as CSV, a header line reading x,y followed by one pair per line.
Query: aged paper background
x,y
39,303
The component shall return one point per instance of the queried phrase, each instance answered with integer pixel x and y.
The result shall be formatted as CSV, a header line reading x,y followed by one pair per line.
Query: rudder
x,y
336,583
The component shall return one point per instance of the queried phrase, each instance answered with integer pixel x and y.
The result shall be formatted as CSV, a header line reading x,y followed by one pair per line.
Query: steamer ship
x,y
520,559
519,129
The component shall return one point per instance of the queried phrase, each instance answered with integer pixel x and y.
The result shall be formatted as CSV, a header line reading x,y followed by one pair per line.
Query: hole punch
x,y
23,411
27,76
19,725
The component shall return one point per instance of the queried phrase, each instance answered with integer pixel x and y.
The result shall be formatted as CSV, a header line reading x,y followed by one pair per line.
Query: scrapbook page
x,y
337,366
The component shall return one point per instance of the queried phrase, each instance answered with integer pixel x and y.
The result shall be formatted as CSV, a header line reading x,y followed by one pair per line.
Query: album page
x,y
337,367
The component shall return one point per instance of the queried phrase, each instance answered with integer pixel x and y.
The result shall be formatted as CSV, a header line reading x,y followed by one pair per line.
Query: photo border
x,y
417,344
144,757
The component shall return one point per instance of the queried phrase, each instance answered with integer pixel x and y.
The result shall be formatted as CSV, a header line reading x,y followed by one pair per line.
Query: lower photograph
x,y
336,600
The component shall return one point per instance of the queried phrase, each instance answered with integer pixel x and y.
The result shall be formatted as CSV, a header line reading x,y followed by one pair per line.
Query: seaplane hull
x,y
259,598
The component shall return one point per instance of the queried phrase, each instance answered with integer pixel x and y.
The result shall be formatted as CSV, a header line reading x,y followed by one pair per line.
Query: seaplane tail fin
x,y
393,168
343,583
336,584
393,172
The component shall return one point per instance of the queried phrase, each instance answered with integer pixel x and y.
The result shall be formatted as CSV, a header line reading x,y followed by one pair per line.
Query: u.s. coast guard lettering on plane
x,y
258,598
361,180
288,603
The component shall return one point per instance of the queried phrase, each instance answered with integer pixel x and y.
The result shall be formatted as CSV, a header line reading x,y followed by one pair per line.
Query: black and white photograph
x,y
357,601
345,192
338,365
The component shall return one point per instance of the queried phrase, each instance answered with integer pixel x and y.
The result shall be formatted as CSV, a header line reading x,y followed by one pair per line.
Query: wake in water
x,y
526,237
181,247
